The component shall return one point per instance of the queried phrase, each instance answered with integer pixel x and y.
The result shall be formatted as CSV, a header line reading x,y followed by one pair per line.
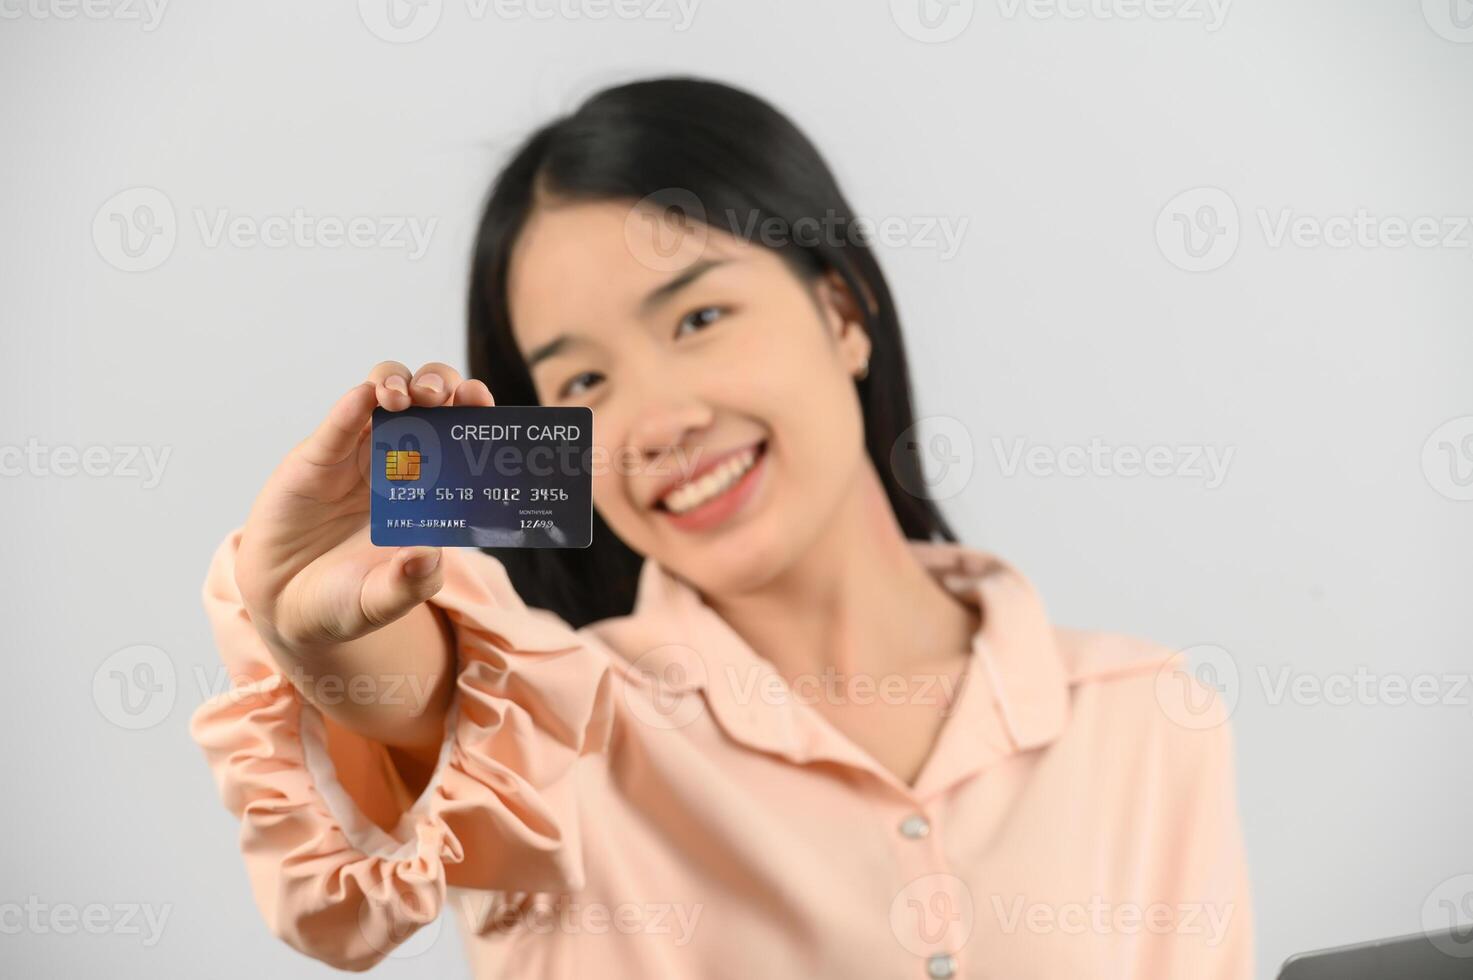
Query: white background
x,y
1333,544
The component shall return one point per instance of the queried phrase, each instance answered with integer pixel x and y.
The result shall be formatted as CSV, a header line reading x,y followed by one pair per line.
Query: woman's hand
x,y
325,599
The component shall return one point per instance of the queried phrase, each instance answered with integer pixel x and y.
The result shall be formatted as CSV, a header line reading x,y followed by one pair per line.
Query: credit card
x,y
510,476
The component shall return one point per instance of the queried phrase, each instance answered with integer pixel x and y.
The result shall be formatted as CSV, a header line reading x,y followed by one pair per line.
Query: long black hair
x,y
731,160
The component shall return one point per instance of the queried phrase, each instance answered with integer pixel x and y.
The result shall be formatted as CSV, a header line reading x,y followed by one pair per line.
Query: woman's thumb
x,y
419,563
401,583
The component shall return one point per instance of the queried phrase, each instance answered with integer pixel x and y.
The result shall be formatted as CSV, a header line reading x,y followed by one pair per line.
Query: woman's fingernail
x,y
396,383
431,382
421,565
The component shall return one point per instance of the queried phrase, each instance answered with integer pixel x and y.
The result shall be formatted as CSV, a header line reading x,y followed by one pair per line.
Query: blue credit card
x,y
511,476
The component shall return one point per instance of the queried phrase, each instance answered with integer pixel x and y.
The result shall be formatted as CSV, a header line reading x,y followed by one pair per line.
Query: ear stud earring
x,y
863,370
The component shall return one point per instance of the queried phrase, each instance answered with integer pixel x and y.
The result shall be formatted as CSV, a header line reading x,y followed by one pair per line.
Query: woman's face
x,y
727,424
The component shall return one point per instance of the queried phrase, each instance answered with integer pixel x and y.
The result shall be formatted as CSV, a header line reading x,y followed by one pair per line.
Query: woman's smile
x,y
715,491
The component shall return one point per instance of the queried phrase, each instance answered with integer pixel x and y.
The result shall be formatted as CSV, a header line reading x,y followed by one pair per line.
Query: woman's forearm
x,y
392,685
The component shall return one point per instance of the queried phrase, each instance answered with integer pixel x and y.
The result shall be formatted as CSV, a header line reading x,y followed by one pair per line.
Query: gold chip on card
x,y
402,464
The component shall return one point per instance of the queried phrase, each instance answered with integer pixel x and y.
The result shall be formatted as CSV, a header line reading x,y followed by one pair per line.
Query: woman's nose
x,y
665,424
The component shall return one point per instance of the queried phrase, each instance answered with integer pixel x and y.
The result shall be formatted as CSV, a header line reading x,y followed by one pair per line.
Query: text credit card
x,y
510,476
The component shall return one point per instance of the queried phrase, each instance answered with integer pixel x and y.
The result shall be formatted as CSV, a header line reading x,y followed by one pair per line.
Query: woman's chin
x,y
742,559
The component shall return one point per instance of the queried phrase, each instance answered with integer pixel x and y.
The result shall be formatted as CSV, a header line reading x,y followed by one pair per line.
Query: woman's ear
x,y
846,320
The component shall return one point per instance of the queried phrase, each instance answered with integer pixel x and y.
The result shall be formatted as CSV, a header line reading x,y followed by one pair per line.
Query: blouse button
x,y
915,827
941,966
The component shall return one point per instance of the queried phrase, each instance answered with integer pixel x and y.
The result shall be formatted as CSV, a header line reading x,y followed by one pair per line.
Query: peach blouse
x,y
647,798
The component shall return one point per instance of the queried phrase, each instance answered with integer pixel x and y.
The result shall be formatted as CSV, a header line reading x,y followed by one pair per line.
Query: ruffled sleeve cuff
x,y
500,811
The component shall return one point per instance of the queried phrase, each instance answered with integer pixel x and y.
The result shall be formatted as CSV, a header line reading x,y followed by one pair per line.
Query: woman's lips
x,y
725,503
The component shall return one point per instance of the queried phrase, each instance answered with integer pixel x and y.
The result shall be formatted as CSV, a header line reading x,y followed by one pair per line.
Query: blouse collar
x,y
1014,697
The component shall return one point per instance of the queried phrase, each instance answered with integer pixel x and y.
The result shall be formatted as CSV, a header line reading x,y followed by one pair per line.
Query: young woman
x,y
775,722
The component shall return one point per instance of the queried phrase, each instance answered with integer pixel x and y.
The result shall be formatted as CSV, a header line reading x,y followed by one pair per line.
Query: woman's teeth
x,y
691,495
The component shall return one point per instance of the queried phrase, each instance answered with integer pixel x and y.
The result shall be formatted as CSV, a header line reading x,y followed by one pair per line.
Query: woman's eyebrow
x,y
554,346
686,276
655,297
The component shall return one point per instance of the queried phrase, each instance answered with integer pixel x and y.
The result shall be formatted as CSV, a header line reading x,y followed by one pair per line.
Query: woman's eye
x,y
579,384
698,320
